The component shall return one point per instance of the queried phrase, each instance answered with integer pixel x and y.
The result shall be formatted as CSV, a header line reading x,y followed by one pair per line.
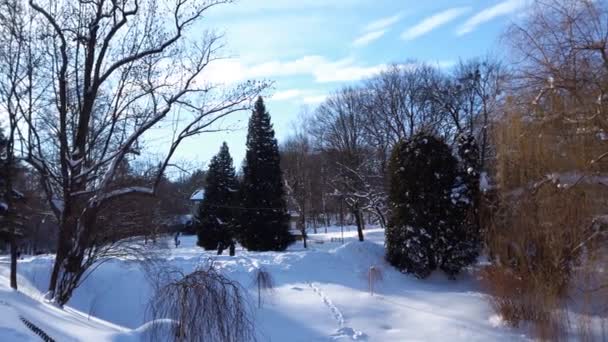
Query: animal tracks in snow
x,y
343,331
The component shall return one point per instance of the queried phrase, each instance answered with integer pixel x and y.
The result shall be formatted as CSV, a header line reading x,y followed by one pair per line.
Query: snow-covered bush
x,y
425,230
464,238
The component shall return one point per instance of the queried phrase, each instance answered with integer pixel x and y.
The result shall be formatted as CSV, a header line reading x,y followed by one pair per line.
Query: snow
x,y
61,325
484,182
321,294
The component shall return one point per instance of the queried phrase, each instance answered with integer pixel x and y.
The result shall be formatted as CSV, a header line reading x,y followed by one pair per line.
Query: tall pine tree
x,y
217,216
264,218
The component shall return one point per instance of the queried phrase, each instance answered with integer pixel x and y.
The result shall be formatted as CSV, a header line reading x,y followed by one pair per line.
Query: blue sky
x,y
310,48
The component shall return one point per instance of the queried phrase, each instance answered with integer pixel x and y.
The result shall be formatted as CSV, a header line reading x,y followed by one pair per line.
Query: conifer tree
x,y
464,238
422,176
264,220
217,216
11,208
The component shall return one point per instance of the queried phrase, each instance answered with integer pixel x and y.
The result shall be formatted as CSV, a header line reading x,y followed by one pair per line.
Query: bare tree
x,y
562,48
398,103
296,163
339,131
470,98
94,78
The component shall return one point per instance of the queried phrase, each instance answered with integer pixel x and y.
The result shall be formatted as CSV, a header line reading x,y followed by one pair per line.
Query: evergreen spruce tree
x,y
264,221
464,239
216,219
11,204
422,175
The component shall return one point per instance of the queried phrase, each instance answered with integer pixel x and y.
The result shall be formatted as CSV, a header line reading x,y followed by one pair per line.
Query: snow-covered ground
x,y
321,294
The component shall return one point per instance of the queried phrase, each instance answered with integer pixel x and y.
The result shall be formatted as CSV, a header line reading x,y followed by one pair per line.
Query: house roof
x,y
198,195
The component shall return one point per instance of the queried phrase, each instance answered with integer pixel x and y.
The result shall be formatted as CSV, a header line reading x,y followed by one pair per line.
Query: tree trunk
x,y
13,275
73,261
302,226
59,257
362,220
357,214
232,248
381,218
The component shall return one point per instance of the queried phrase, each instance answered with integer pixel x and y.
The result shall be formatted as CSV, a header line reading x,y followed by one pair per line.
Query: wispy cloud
x,y
503,8
346,70
315,99
321,69
252,6
383,23
430,23
376,29
305,96
368,38
287,94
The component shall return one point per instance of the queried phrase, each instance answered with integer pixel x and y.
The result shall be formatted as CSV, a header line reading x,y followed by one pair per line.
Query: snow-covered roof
x,y
198,195
18,194
185,219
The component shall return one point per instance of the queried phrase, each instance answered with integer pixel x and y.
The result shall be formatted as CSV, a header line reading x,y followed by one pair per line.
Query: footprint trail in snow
x,y
343,331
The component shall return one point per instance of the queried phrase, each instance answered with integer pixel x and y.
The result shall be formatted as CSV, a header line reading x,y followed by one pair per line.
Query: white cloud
x,y
383,23
300,66
224,71
345,70
253,6
368,38
287,94
430,23
315,99
500,9
321,69
376,29
305,96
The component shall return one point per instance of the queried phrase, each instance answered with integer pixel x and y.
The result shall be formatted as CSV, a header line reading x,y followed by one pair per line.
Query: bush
x,y
544,235
463,240
425,230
